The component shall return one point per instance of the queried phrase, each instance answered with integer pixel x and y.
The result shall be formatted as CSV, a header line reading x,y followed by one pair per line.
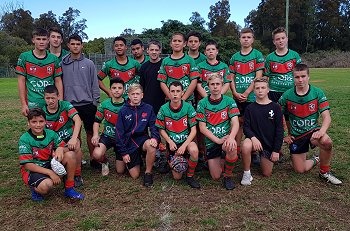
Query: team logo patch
x,y
128,117
221,73
184,68
290,65
129,73
293,107
238,66
144,114
49,125
184,121
293,147
35,152
171,70
275,66
312,107
271,114
61,120
223,115
251,65
115,74
169,123
207,114
49,70
32,69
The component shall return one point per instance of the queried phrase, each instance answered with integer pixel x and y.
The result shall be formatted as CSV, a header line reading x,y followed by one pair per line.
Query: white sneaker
x,y
105,169
246,179
329,177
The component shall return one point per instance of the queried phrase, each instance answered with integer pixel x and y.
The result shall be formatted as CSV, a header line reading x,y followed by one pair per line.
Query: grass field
x,y
285,201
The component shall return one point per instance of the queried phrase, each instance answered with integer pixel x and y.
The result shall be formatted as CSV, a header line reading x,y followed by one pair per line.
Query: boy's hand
x,y
72,144
153,142
55,178
317,135
172,145
58,156
24,109
288,139
275,156
126,158
242,98
222,140
95,140
180,151
230,144
256,144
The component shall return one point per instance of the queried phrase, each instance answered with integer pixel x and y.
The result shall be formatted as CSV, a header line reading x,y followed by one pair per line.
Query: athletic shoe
x,y
148,179
256,159
329,177
78,181
228,183
83,162
316,157
192,182
105,169
71,193
246,179
35,195
96,165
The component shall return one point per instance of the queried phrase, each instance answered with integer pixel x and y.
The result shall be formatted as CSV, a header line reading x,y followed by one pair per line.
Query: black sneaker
x,y
148,179
228,183
95,165
192,182
78,181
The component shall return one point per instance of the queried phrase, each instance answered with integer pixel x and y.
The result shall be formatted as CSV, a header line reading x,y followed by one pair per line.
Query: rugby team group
x,y
177,104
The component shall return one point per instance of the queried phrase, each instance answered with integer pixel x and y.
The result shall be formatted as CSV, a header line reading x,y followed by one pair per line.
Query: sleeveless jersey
x,y
128,72
303,111
108,113
205,69
183,70
62,120
279,69
177,122
38,73
244,67
217,116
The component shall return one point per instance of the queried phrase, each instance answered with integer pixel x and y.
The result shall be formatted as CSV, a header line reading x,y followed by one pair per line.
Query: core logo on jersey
x,y
224,115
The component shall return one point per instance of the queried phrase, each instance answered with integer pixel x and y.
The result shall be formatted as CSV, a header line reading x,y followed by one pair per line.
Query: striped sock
x,y
191,167
324,169
69,183
229,166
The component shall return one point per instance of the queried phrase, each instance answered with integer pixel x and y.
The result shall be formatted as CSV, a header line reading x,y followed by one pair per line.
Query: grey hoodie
x,y
80,81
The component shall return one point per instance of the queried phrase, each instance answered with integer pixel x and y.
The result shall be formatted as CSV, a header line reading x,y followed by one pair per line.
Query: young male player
x,y
137,50
81,87
279,65
303,104
107,113
217,115
193,40
178,67
55,43
120,66
263,130
245,65
36,69
135,118
36,149
176,121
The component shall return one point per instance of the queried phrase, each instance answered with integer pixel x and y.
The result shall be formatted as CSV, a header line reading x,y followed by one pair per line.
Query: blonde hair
x,y
134,87
215,76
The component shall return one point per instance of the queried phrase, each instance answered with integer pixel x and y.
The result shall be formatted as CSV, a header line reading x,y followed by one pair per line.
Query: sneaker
x,y
148,179
78,181
228,183
192,182
246,179
329,177
35,195
83,162
95,164
256,159
71,193
104,169
316,157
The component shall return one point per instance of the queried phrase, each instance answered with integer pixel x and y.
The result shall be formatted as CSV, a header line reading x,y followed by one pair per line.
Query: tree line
x,y
313,25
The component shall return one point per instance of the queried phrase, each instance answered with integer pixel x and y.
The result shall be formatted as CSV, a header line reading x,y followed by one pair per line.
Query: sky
x,y
109,18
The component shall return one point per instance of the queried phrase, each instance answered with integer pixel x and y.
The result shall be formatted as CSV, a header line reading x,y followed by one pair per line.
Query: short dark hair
x,y
246,30
176,84
178,33
35,112
51,89
301,67
135,42
278,30
195,34
212,42
40,32
55,29
116,80
155,42
75,37
119,38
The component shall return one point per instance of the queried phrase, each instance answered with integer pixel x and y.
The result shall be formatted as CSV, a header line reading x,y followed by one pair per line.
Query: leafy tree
x,y
128,32
10,48
197,21
46,21
70,25
95,46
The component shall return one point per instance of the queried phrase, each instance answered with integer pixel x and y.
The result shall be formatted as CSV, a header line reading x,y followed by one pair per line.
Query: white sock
x,y
247,172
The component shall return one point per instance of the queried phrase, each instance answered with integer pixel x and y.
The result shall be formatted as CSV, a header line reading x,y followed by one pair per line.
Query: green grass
x,y
285,201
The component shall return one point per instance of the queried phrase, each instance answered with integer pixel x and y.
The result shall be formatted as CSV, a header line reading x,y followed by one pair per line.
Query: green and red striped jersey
x,y
200,58
62,120
217,116
279,69
107,112
64,52
303,110
244,67
38,73
177,123
128,72
183,70
205,69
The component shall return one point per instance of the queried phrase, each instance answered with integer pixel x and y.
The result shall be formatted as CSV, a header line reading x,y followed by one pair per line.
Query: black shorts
x,y
172,153
135,158
107,141
242,106
274,96
87,115
301,145
266,154
215,151
35,178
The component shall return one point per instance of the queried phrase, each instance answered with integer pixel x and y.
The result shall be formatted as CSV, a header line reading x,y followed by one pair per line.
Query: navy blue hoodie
x,y
132,127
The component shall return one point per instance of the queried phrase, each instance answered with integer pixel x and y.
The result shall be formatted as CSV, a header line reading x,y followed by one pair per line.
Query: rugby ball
x,y
57,167
179,164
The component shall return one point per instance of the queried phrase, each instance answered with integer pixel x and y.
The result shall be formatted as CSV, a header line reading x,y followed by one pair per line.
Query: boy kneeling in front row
x,y
36,150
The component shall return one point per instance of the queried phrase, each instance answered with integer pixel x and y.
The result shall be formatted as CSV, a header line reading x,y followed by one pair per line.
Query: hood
x,y
68,59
